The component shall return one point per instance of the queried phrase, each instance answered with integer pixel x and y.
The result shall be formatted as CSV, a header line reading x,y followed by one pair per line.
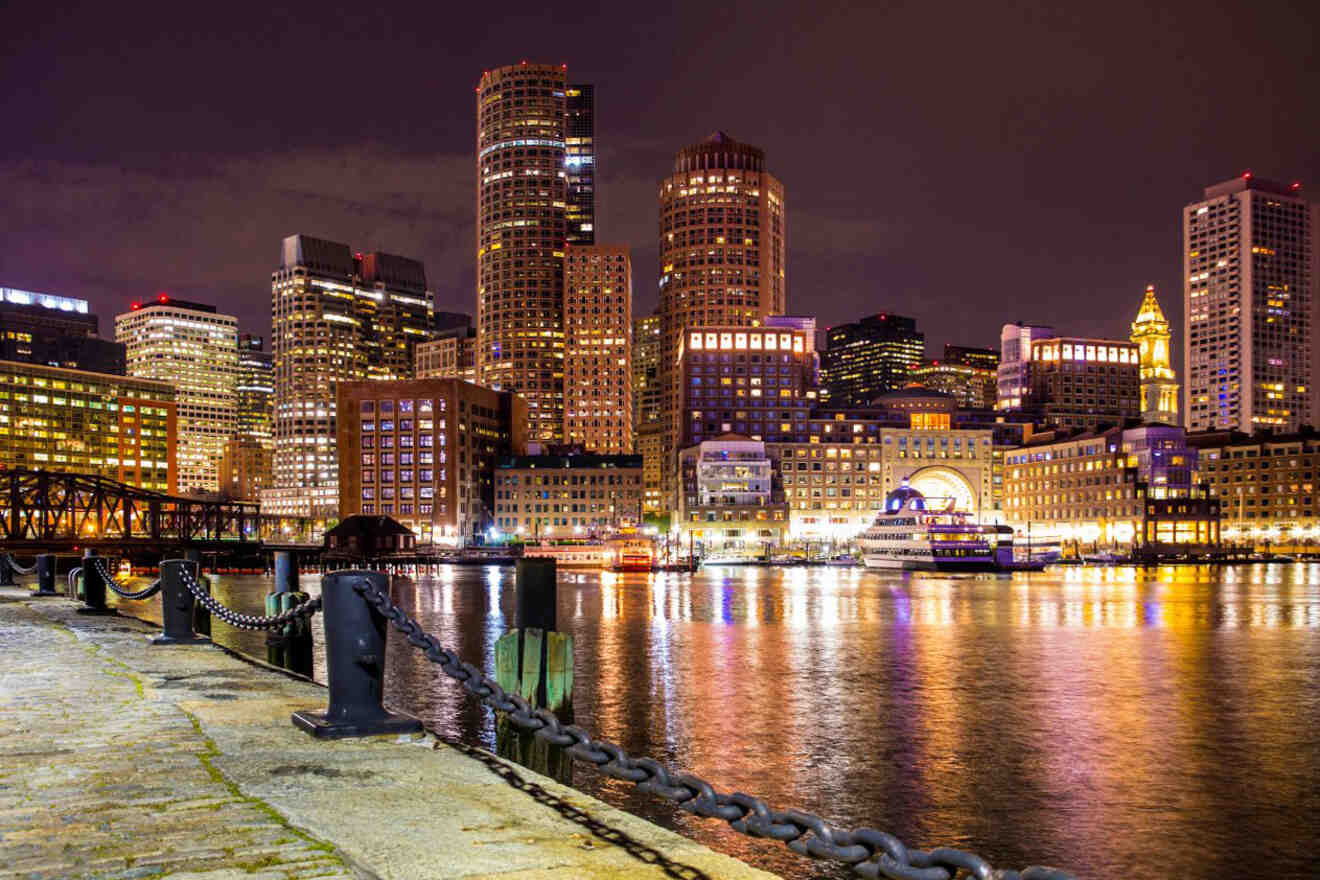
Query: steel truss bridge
x,y
56,510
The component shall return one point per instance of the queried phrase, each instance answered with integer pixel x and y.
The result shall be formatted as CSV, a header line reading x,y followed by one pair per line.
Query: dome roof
x,y
904,496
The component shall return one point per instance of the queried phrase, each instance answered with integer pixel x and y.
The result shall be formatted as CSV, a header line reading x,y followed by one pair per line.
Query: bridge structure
x,y
53,511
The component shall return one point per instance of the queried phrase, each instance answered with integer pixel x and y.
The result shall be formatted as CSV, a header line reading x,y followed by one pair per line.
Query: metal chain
x,y
13,563
246,621
151,590
869,852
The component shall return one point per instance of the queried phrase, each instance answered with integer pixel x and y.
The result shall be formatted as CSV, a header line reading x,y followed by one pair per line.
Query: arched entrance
x,y
939,483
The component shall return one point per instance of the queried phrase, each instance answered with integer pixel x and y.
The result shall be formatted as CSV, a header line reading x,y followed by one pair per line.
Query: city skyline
x,y
1066,216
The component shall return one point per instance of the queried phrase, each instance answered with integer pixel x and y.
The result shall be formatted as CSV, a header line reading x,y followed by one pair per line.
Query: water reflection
x,y
1121,722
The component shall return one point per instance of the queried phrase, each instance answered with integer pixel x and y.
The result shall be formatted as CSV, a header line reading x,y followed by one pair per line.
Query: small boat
x,y
843,560
1105,558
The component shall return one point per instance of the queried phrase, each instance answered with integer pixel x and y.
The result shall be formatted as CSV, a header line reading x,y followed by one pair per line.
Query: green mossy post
x,y
538,665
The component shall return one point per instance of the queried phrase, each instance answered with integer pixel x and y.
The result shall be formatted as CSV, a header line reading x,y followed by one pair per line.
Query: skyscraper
x,y
194,348
722,257
869,357
521,231
1159,388
580,163
1249,272
646,372
598,399
59,331
336,317
246,467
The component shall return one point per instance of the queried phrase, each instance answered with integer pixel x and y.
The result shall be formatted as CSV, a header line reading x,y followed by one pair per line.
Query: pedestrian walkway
x,y
122,760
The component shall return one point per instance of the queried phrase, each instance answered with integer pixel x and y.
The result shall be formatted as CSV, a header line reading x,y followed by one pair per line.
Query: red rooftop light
x,y
1246,175
1296,184
163,298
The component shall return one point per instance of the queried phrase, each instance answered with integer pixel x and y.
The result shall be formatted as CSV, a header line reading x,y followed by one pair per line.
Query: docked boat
x,y
574,555
633,555
910,534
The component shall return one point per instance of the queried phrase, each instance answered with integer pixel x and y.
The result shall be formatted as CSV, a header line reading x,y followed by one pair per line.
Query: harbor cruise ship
x,y
908,534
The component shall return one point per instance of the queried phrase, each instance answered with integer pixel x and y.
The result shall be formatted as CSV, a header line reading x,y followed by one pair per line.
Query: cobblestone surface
x,y
121,760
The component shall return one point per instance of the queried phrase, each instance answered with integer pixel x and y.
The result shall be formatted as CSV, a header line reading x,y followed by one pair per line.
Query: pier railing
x,y
357,608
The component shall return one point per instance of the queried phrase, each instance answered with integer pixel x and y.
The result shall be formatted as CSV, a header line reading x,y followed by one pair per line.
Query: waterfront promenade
x,y
122,760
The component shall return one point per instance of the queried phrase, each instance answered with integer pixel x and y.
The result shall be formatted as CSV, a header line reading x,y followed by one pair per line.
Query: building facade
x,y
1249,273
521,233
75,421
452,355
1014,370
58,331
580,163
1265,483
1083,383
729,505
246,467
870,357
336,318
647,372
423,451
1159,385
194,348
598,396
548,497
972,387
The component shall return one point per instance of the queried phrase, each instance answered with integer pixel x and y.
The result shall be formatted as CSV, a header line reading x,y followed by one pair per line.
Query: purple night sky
x,y
964,163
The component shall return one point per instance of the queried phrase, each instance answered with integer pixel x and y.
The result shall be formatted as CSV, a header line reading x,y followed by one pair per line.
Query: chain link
x,y
151,590
869,852
246,621
13,563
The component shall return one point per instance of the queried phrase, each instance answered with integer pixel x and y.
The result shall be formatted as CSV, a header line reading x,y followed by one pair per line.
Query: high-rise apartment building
x,y
598,400
522,194
722,255
870,357
59,331
194,348
1159,386
1014,370
246,466
337,316
580,163
1249,276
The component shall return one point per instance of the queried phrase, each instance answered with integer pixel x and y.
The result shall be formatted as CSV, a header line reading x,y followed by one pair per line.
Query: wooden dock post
x,y
537,662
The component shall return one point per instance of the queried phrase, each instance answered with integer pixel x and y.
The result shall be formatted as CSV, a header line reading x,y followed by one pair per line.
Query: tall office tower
x,y
194,348
336,317
1249,271
867,358
1159,386
580,163
1014,371
58,331
646,372
598,399
722,257
246,467
521,230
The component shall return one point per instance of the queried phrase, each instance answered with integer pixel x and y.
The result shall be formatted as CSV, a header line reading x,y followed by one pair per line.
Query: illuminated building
x,y
423,451
649,443
58,331
972,387
1159,390
1265,483
1134,489
870,357
449,356
1083,383
194,348
246,465
985,358
1014,370
337,316
580,163
598,401
647,373
728,503
522,194
542,497
1249,251
722,256
75,421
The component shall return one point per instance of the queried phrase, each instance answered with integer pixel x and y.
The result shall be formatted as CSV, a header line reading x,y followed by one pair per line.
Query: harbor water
x,y
1117,722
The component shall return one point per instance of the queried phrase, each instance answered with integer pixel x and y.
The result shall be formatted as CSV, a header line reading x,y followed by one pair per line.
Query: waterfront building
x,y
521,234
1249,252
974,387
1266,484
722,256
1014,370
423,451
451,355
580,163
579,495
598,396
75,421
248,459
729,505
59,331
1075,382
1159,386
337,316
194,348
869,357
1132,489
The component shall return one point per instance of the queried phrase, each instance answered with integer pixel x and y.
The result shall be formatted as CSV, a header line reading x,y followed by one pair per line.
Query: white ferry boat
x,y
909,535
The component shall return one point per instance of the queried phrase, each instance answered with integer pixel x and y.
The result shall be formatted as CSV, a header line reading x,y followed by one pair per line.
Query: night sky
x,y
965,163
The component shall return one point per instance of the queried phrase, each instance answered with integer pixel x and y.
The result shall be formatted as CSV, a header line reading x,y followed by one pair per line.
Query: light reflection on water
x,y
1115,721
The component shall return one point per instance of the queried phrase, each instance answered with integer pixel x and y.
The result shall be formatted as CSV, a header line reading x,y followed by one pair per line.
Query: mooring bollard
x,y
289,647
176,604
45,575
201,617
286,571
93,591
536,593
6,571
355,664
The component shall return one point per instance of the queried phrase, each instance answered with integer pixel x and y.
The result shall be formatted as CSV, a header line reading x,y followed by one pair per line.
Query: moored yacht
x,y
911,534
